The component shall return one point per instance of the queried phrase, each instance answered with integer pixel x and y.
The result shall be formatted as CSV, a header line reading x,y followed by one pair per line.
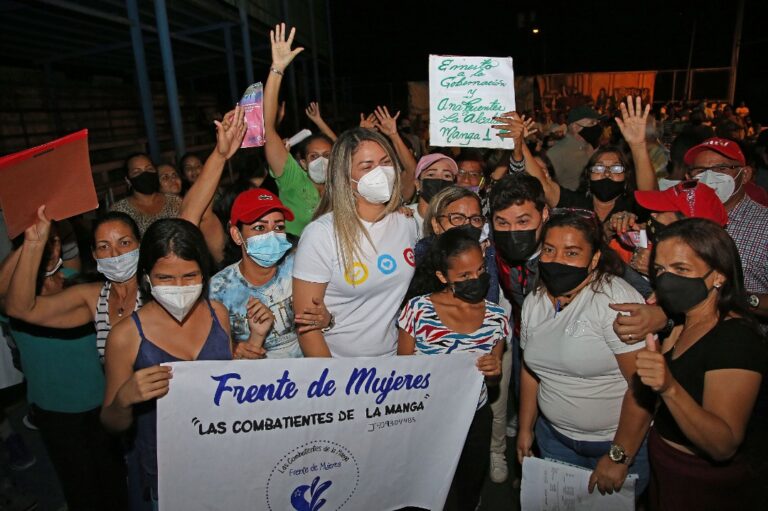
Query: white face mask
x,y
376,186
177,300
665,183
723,184
119,268
318,170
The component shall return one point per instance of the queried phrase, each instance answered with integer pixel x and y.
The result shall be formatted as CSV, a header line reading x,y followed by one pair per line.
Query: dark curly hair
x,y
609,264
716,248
445,246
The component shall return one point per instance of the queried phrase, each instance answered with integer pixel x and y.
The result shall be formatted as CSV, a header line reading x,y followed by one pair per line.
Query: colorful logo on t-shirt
x,y
357,275
386,264
409,256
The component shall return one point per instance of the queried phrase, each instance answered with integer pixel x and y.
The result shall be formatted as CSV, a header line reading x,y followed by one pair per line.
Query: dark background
x,y
391,40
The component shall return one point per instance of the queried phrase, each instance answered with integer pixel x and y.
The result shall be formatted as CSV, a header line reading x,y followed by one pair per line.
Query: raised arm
x,y
305,295
67,309
282,56
387,124
513,126
313,112
632,126
229,135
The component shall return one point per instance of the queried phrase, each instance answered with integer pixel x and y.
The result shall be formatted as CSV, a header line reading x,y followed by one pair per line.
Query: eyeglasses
x,y
695,171
472,174
603,169
459,219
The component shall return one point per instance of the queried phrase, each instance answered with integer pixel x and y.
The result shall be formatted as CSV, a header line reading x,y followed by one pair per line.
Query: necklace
x,y
121,304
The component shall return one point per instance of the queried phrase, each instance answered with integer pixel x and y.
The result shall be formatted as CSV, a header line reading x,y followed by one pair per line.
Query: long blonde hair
x,y
339,196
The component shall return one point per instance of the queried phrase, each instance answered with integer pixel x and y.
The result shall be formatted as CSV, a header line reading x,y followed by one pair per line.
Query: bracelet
x,y
276,71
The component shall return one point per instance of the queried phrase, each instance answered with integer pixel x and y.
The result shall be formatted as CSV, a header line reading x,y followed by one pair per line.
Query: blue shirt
x,y
230,288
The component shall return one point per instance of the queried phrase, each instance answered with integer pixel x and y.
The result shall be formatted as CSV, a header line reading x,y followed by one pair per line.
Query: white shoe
x,y
499,471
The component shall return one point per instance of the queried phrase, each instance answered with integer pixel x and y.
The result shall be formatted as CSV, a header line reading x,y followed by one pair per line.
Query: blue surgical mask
x,y
267,249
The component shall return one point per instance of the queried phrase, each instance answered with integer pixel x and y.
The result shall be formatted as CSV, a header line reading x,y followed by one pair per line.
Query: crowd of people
x,y
611,276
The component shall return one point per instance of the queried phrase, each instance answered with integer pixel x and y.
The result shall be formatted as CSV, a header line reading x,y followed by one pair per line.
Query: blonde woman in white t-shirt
x,y
356,256
576,396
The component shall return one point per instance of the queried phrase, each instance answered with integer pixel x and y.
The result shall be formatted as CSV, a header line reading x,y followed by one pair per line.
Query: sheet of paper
x,y
552,486
57,174
465,94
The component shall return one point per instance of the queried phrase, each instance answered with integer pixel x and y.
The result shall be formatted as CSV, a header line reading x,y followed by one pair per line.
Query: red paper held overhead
x,y
57,174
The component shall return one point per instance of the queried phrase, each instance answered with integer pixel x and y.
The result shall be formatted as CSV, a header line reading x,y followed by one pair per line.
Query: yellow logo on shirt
x,y
357,275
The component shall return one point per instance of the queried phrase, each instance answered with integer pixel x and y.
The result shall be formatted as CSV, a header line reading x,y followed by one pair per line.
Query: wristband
x,y
276,71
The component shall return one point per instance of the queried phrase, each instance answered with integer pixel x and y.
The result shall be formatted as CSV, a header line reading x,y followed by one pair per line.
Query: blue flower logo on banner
x,y
312,502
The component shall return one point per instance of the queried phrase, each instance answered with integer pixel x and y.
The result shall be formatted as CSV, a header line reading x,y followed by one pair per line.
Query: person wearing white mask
x,y
720,164
178,323
357,256
260,283
115,247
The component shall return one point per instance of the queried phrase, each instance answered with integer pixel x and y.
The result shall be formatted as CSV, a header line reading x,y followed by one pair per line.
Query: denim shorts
x,y
556,446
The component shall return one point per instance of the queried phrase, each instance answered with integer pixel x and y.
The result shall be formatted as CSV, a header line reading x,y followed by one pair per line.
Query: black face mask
x,y
146,182
678,294
591,134
561,278
471,231
430,187
515,245
606,189
472,290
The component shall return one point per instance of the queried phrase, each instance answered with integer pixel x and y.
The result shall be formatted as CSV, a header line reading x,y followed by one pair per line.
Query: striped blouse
x,y
101,318
420,320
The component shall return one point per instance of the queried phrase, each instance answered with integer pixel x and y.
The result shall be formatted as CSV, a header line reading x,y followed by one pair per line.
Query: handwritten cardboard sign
x,y
57,174
310,433
465,94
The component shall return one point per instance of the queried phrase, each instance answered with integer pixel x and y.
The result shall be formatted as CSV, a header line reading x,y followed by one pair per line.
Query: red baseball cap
x,y
253,204
727,148
691,198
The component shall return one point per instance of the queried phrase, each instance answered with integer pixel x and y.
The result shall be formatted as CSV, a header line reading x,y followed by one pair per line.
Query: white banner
x,y
465,94
314,434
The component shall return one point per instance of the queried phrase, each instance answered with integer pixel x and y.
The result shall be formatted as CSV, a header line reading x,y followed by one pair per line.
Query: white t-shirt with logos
x,y
573,353
365,301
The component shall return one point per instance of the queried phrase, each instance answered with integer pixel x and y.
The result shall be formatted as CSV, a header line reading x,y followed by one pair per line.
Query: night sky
x,y
392,39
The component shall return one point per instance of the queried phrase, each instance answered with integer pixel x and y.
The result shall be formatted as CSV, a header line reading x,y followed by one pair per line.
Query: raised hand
x,y
39,231
368,122
230,132
313,112
282,54
633,120
386,123
512,126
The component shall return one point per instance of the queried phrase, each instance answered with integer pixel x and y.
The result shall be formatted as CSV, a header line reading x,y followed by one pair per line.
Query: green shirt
x,y
298,193
61,366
